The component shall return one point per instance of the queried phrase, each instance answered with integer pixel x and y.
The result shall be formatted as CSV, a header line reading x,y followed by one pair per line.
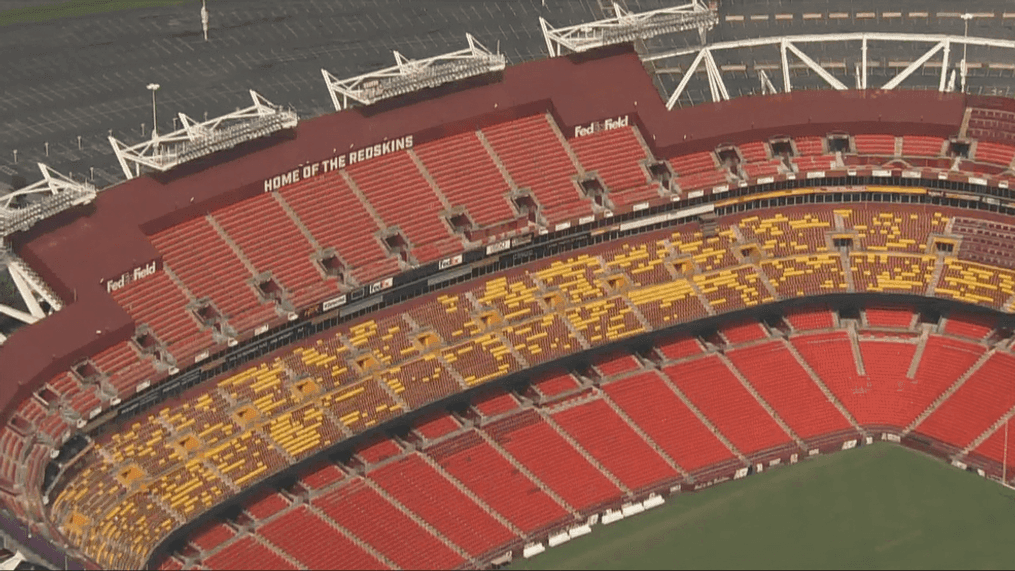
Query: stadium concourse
x,y
592,302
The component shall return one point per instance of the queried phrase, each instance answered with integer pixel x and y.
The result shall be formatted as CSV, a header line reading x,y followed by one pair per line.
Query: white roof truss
x,y
31,289
197,139
409,75
790,45
628,26
20,209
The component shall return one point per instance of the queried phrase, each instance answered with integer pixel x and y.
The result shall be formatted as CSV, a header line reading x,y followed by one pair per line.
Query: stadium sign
x,y
333,303
337,162
450,262
619,122
381,285
137,273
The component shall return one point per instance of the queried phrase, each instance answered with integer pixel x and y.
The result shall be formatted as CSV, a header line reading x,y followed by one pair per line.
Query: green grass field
x,y
879,506
72,8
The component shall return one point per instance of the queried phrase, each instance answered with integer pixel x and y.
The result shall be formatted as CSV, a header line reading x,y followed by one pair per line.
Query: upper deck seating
x,y
468,177
272,242
535,159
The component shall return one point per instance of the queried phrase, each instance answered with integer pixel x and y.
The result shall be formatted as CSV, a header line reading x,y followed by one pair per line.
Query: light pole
x,y
962,71
155,130
204,18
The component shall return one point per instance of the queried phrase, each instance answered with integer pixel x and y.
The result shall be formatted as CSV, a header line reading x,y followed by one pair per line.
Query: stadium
x,y
484,308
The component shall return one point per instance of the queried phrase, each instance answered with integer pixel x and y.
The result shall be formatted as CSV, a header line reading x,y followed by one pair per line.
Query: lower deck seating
x,y
553,460
889,317
993,447
976,405
426,492
247,553
370,517
301,534
780,379
489,475
713,389
612,442
660,413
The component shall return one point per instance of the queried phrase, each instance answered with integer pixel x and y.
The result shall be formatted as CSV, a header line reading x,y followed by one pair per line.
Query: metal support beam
x,y
863,78
913,66
716,83
822,72
786,86
766,84
687,77
944,66
25,291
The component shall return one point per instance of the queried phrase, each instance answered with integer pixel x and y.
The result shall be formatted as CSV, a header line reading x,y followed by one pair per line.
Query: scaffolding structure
x,y
195,140
626,26
407,76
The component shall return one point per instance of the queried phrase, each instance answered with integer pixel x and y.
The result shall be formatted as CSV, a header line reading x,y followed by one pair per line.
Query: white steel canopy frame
x,y
628,26
788,44
408,75
20,209
31,289
194,140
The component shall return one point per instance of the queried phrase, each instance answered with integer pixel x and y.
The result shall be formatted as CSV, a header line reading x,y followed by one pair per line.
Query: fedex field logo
x,y
337,162
606,125
131,276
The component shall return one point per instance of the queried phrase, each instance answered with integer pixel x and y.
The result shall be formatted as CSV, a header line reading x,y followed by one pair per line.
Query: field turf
x,y
879,506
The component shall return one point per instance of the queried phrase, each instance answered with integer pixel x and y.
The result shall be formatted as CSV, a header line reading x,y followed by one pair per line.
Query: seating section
x,y
713,389
986,241
970,326
316,544
991,124
157,302
784,384
209,268
889,317
615,155
679,347
660,413
811,319
617,364
489,475
994,153
555,384
465,173
315,201
535,159
994,446
883,145
744,332
976,405
885,396
438,426
369,516
612,442
426,492
247,553
919,146
272,242
809,146
553,460
387,183
495,404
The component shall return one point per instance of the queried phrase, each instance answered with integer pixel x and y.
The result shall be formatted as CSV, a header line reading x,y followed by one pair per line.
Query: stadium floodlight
x,y
789,45
196,140
153,87
407,76
628,26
